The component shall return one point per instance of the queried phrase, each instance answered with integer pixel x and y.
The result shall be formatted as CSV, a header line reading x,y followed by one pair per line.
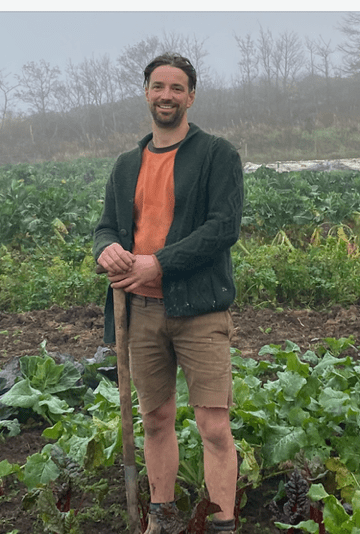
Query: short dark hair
x,y
174,60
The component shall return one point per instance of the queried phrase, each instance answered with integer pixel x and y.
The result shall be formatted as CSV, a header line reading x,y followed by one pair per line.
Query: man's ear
x,y
191,99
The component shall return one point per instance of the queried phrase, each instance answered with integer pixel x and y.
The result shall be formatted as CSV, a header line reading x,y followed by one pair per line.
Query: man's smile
x,y
166,106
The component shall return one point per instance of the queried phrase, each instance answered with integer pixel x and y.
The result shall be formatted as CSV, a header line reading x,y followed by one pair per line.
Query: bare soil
x,y
78,331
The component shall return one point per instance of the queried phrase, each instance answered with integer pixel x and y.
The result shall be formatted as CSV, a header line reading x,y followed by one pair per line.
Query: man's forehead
x,y
169,73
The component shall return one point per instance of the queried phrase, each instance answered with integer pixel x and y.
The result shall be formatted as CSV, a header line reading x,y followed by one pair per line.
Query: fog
x,y
62,35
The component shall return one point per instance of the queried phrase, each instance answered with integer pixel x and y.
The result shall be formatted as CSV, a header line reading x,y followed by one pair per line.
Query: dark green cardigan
x,y
196,262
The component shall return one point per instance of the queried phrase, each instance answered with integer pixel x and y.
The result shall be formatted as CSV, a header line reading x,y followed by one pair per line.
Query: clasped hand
x,y
128,271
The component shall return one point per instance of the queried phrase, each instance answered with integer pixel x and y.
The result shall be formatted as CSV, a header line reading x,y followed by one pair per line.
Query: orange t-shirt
x,y
153,208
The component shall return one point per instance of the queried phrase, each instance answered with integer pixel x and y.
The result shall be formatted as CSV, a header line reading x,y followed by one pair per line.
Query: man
x,y
172,211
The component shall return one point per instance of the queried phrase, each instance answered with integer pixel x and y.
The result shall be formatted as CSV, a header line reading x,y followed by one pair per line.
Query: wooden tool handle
x,y
124,382
100,269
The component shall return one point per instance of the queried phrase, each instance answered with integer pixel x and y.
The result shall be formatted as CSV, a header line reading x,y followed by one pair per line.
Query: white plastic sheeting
x,y
311,165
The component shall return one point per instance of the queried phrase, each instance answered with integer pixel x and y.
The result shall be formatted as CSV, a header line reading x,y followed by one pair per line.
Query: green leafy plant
x,y
291,411
38,200
53,503
47,277
297,200
48,213
334,517
312,406
274,274
44,386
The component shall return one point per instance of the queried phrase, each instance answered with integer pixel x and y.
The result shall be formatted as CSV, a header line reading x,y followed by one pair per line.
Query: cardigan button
x,y
123,232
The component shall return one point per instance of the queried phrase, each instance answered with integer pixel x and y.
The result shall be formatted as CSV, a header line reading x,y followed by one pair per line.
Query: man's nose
x,y
166,93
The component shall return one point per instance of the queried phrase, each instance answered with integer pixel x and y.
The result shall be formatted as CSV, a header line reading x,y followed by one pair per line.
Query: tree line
x,y
97,106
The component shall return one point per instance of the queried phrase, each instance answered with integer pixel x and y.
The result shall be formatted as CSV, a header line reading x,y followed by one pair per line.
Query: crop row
x,y
291,411
38,200
299,243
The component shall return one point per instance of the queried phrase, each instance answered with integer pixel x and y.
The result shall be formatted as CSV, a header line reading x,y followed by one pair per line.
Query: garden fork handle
x,y
123,367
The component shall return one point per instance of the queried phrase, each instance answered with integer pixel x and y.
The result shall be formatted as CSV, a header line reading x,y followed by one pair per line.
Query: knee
x,y
161,420
214,427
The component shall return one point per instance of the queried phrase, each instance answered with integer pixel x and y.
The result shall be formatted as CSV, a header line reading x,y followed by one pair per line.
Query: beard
x,y
168,122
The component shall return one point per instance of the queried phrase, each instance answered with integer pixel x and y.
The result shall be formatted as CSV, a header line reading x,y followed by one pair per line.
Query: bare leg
x,y
220,460
161,451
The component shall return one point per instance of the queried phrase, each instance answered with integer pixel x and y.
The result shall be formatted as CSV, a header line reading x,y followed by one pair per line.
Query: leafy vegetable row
x,y
291,411
38,202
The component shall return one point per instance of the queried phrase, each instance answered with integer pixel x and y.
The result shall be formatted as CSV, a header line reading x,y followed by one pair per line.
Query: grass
x,y
294,144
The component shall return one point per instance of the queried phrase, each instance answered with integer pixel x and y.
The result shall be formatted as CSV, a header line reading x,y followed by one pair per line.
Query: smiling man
x,y
172,211
169,96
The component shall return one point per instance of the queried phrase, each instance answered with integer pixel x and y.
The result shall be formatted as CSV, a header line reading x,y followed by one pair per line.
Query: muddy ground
x,y
78,331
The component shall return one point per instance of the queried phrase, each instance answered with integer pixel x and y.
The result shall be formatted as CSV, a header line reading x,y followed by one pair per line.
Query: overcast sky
x,y
67,31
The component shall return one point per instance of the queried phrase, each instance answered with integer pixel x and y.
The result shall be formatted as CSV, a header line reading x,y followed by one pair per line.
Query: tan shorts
x,y
200,345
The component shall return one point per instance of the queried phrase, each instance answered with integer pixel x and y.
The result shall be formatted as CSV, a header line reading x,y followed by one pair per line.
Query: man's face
x,y
168,96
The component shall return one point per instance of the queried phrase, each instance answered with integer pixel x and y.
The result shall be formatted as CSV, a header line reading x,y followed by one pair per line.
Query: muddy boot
x,y
153,525
165,520
221,527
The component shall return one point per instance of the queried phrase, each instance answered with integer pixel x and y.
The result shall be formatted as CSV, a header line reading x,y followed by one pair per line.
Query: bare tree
x,y
39,82
287,61
77,98
265,51
95,75
74,94
288,58
323,51
311,82
265,47
311,48
191,48
351,46
325,66
196,52
133,61
248,66
249,59
5,89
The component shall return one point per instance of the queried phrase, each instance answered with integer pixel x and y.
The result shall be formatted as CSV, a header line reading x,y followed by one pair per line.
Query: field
x,y
296,347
